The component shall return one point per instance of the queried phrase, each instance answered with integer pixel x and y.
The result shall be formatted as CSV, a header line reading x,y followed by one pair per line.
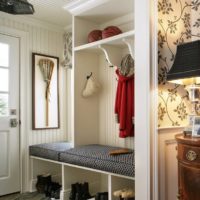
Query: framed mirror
x,y
45,89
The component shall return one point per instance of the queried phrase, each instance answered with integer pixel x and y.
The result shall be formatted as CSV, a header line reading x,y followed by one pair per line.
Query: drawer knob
x,y
191,155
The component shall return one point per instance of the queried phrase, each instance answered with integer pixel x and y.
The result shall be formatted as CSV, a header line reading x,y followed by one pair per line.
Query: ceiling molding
x,y
77,7
34,22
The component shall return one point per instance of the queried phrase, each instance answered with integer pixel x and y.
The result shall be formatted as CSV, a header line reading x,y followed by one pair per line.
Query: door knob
x,y
13,123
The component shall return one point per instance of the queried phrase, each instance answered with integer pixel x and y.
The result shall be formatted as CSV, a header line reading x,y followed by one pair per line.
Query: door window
x,y
4,79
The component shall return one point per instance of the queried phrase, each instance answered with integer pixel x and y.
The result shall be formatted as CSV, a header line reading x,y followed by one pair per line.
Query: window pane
x,y
3,105
4,54
3,80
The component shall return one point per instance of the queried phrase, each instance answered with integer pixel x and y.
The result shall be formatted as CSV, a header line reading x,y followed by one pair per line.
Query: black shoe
x,y
55,190
97,197
42,182
72,195
85,191
48,189
104,196
101,196
78,191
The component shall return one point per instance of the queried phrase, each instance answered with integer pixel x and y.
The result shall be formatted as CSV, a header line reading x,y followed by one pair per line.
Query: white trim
x,y
169,128
81,167
33,22
80,6
154,102
142,100
23,36
2,67
109,187
72,90
117,38
2,92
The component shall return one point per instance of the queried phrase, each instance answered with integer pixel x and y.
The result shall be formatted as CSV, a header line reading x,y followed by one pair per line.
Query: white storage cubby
x,y
43,167
94,119
75,174
67,174
118,183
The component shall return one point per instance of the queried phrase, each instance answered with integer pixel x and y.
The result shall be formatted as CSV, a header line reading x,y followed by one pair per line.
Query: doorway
x,y
9,115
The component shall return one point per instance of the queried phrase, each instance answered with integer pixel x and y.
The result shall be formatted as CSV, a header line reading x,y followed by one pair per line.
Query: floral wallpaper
x,y
67,39
179,22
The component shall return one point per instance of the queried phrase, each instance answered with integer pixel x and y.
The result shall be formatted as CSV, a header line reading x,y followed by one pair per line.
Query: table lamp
x,y
186,71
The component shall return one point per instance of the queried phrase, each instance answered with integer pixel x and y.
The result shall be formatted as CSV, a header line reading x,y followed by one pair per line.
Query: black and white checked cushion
x,y
97,157
49,150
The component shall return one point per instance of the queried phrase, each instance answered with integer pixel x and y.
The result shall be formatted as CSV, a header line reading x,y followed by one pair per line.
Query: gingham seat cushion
x,y
49,150
97,157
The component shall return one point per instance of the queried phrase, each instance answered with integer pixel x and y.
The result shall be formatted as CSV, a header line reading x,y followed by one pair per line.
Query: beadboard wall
x,y
100,107
46,39
109,129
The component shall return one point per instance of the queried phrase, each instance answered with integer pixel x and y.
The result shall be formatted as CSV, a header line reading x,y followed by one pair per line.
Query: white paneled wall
x,y
167,162
45,40
109,129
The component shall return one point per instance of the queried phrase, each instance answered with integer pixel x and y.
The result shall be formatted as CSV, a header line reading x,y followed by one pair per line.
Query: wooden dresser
x,y
188,167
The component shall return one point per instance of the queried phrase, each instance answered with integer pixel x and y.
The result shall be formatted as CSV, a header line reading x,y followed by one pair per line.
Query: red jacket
x,y
124,105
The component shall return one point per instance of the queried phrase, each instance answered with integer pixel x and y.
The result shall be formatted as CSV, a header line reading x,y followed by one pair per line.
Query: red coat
x,y
124,105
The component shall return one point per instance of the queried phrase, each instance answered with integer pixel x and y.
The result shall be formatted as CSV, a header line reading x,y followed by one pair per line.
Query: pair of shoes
x,y
125,194
52,190
42,181
101,196
79,191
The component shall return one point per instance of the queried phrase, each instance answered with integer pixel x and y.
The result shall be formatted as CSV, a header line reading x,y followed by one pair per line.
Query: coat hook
x,y
129,46
106,54
89,76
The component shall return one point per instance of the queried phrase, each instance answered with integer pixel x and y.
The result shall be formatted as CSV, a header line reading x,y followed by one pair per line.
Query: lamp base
x,y
193,127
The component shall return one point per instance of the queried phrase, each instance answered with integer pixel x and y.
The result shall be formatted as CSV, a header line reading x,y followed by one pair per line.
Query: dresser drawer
x,y
189,154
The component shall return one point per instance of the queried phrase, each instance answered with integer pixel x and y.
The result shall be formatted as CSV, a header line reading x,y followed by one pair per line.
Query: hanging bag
x,y
91,87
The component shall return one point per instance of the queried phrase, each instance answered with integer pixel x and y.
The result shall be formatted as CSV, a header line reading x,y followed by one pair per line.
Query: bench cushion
x,y
97,157
49,150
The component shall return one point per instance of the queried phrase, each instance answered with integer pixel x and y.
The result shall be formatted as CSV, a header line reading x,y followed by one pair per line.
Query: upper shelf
x,y
114,41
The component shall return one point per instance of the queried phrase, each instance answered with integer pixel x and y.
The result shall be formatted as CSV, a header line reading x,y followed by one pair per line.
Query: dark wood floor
x,y
27,196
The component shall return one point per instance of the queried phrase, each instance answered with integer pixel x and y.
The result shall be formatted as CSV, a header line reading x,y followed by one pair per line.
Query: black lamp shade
x,y
16,7
186,67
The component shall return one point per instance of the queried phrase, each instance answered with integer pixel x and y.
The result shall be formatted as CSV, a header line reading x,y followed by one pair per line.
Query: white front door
x,y
9,115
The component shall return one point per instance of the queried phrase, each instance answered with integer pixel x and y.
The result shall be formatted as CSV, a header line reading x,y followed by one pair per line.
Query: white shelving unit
x,y
116,41
66,174
94,120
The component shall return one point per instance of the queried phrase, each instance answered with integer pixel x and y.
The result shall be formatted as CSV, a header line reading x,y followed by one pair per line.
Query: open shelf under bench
x,y
70,173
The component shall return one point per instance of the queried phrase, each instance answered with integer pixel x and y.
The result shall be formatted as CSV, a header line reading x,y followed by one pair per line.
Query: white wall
x,y
46,39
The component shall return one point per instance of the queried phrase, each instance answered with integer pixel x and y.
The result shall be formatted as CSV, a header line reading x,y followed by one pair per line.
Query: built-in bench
x,y
91,156
88,163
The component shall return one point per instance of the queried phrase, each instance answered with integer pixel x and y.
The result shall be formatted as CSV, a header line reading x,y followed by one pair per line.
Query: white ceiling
x,y
109,10
52,11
